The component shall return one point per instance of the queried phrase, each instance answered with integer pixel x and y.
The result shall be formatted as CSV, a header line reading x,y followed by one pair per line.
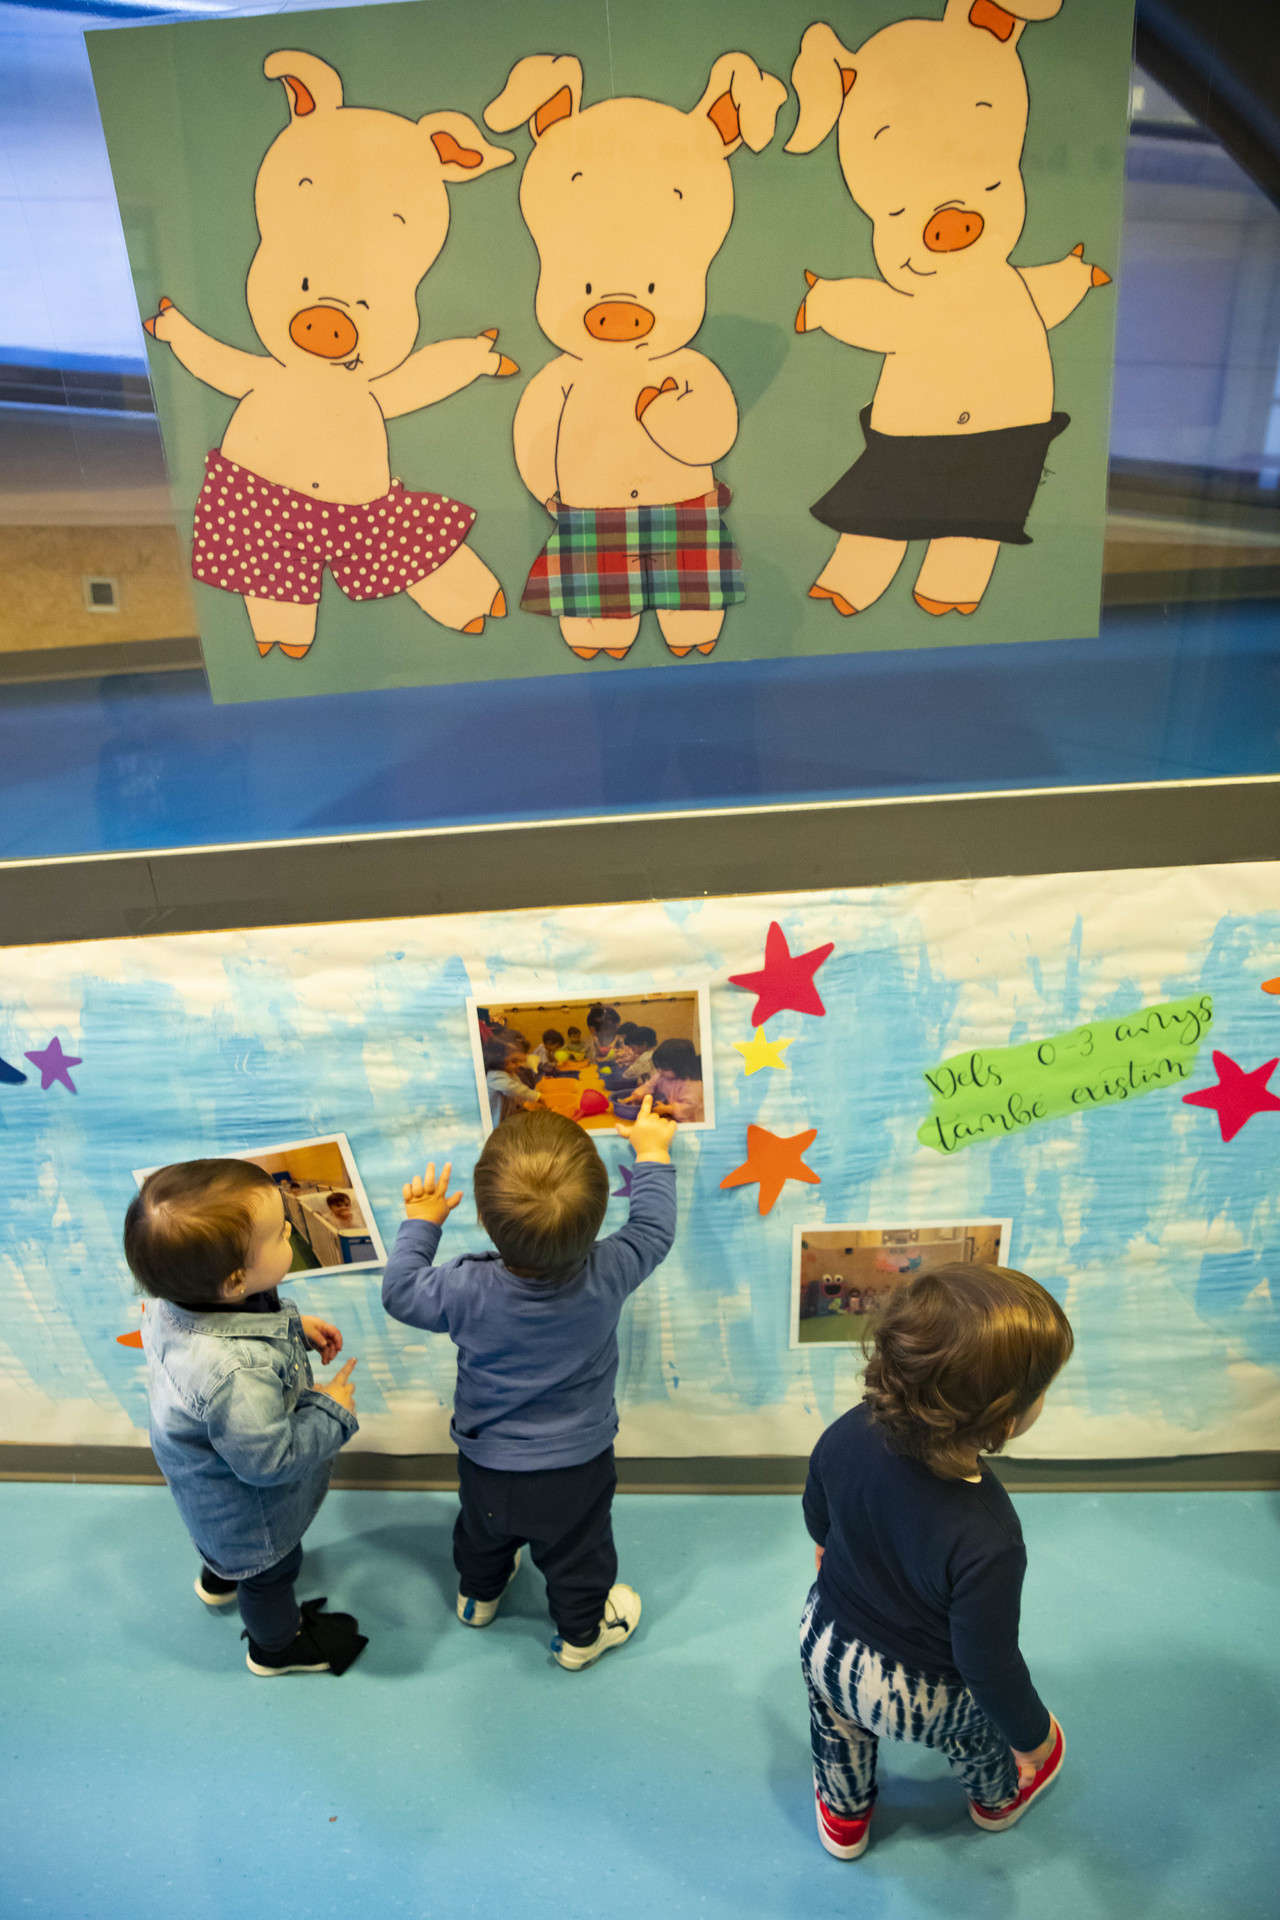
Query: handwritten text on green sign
x,y
984,1096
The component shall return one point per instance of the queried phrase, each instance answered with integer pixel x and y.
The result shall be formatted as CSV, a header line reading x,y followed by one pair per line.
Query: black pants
x,y
563,1515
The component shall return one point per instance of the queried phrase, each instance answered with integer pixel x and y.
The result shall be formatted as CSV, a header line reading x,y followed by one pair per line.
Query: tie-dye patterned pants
x,y
858,1696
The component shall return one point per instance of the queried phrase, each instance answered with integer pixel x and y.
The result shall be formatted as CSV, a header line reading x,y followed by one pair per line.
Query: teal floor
x,y
144,1773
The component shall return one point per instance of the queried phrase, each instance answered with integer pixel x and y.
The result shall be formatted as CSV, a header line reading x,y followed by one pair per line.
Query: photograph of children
x,y
324,1201
595,1059
841,1276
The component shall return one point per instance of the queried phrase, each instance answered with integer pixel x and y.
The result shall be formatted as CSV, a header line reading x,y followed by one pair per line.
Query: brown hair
x,y
190,1228
541,1191
958,1355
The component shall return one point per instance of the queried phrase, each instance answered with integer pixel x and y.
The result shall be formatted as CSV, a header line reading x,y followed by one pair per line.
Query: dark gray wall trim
x,y
774,1473
640,857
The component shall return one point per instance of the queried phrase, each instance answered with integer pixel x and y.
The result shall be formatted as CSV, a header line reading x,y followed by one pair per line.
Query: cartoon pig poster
x,y
352,209
932,115
629,200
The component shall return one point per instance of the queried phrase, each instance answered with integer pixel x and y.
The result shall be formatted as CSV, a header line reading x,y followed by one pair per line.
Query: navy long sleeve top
x,y
925,1570
536,1362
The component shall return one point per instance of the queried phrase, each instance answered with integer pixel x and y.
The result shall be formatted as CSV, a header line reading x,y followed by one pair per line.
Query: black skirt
x,y
938,486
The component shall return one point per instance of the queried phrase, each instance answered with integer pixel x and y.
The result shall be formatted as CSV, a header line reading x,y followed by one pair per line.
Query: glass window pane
x,y
108,738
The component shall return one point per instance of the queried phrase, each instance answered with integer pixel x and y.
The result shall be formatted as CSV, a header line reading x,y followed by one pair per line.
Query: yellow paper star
x,y
760,1052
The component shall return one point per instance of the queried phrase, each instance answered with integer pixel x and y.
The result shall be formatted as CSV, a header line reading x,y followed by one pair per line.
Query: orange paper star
x,y
772,1161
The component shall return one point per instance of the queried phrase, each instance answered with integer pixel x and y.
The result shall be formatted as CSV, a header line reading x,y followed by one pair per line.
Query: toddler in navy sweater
x,y
911,1628
536,1328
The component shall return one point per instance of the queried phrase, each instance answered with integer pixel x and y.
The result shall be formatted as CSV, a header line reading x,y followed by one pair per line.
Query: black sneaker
x,y
214,1590
324,1643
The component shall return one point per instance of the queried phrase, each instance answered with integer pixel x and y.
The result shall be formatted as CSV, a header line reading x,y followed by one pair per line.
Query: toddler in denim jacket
x,y
242,1433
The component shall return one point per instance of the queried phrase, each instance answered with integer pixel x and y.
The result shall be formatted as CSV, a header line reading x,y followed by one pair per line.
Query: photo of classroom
x,y
594,1060
325,1203
843,1275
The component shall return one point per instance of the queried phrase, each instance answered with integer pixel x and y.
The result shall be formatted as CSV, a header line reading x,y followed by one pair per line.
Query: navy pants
x,y
857,1696
564,1515
267,1604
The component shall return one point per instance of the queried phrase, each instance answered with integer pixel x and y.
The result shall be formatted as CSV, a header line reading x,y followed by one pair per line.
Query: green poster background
x,y
188,117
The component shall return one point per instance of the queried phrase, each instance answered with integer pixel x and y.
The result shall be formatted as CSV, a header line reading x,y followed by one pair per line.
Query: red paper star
x,y
786,978
1238,1095
772,1161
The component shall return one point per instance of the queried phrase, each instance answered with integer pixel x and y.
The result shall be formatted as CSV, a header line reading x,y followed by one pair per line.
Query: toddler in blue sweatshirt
x,y
536,1328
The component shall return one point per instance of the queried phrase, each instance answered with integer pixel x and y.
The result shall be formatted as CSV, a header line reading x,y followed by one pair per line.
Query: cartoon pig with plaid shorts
x,y
628,203
931,117
352,210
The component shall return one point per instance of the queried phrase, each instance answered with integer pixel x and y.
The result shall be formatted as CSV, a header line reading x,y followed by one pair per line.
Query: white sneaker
x,y
621,1617
478,1613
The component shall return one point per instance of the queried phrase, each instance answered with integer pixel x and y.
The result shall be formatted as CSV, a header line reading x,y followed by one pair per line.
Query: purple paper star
x,y
54,1064
624,1191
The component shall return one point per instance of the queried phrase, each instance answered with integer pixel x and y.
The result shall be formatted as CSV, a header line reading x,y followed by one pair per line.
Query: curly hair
x,y
959,1354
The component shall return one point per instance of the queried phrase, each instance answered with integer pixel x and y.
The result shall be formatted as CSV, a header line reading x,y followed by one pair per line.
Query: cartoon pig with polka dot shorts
x,y
931,117
352,210
628,203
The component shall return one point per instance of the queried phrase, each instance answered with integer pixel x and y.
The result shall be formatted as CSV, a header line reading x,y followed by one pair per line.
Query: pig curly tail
x,y
958,1355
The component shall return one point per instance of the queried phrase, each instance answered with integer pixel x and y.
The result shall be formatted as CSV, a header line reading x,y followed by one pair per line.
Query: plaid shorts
x,y
610,563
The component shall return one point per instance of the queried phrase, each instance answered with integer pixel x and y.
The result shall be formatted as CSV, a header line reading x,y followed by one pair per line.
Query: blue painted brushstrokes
x,y
1163,1241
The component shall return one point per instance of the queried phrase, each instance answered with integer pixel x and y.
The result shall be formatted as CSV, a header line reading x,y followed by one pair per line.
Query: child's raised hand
x,y
650,1133
322,1338
340,1387
429,1198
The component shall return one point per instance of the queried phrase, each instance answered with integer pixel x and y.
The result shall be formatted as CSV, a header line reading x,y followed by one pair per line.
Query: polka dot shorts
x,y
257,538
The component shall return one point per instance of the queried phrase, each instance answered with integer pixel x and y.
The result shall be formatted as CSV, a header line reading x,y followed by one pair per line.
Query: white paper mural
x,y
1154,1219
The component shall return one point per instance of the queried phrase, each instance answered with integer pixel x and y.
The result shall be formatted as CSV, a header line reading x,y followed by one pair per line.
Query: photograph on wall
x,y
841,1276
571,347
594,1059
325,1203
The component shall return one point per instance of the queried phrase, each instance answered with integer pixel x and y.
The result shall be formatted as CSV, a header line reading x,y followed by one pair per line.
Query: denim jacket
x,y
238,1430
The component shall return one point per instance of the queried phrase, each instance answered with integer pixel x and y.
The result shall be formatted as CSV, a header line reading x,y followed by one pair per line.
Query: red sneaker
x,y
996,1819
844,1839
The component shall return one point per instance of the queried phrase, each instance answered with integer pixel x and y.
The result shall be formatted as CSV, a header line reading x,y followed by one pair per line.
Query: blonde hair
x,y
541,1192
959,1354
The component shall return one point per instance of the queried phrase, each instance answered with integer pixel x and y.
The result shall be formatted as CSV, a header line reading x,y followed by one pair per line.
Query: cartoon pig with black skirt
x,y
931,117
628,202
352,210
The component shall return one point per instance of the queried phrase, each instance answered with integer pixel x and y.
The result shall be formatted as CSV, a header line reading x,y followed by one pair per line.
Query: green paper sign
x,y
987,1095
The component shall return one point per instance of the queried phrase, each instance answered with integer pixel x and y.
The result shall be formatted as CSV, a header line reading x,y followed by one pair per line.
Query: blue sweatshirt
x,y
536,1362
925,1570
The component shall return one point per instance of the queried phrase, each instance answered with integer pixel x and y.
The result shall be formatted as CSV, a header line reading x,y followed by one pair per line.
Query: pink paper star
x,y
1238,1095
786,978
54,1063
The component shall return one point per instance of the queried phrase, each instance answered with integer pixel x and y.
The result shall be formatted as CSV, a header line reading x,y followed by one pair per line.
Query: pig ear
x,y
822,76
543,88
463,151
741,102
311,86
1005,23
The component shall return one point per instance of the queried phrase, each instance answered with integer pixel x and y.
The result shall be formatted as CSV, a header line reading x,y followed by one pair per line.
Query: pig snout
x,y
325,331
952,229
618,320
